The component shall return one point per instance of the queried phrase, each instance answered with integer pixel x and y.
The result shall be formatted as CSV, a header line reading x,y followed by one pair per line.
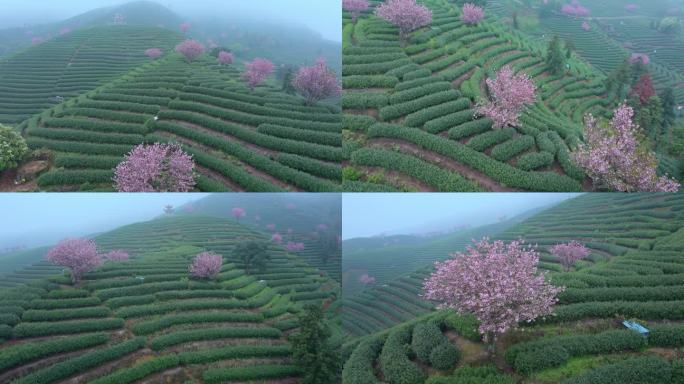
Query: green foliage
x,y
253,254
139,371
555,59
234,352
13,148
426,336
314,356
359,367
639,370
66,327
16,355
394,359
175,338
539,359
255,372
473,375
444,356
465,325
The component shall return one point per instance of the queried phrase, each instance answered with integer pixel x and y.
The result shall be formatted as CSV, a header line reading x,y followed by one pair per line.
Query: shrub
x,y
394,360
170,339
139,371
639,370
666,336
256,372
444,356
234,352
65,314
12,148
426,336
66,327
534,160
359,367
16,355
151,326
536,360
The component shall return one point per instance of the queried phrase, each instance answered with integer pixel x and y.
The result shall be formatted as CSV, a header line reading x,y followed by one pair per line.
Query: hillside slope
x,y
44,75
635,271
410,109
145,320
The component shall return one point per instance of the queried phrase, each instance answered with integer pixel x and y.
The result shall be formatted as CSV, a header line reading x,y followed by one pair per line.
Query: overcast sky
x,y
371,214
323,16
44,218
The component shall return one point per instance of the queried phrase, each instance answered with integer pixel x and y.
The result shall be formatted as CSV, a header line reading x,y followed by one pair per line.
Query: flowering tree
x,y
79,255
206,265
154,53
643,89
184,27
510,94
355,7
497,282
238,213
321,227
574,9
471,14
190,49
13,148
586,26
613,157
256,71
116,255
294,247
316,82
366,279
276,238
155,168
639,57
405,15
569,253
225,58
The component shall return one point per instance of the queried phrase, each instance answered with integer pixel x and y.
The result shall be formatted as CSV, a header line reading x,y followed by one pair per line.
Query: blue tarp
x,y
635,327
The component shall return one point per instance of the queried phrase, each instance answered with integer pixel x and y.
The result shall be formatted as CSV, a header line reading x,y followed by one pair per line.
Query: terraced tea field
x,y
240,140
69,65
409,109
634,271
143,320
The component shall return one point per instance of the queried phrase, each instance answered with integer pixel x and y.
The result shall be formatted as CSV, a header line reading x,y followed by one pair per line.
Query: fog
x,y
372,214
322,16
35,219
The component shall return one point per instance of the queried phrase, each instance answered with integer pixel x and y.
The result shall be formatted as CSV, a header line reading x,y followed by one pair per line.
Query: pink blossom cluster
x,y
206,265
116,255
510,94
495,281
294,246
316,82
256,71
238,213
613,157
155,168
569,253
355,7
639,57
575,9
190,49
154,53
184,27
225,58
586,26
404,14
366,279
79,255
276,238
471,14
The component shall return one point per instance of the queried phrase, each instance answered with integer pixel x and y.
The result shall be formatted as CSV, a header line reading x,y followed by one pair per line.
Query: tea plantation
x,y
634,272
409,108
145,320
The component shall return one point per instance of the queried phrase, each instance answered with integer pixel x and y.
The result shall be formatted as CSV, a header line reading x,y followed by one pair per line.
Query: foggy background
x,y
372,214
322,16
33,219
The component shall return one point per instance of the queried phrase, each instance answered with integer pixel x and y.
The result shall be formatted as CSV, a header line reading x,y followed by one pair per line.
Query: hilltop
x,y
143,319
634,271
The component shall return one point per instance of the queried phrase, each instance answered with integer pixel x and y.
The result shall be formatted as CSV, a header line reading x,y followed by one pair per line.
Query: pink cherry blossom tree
x,y
116,255
365,279
238,213
471,14
510,94
79,255
355,7
276,238
206,265
154,53
316,82
639,57
190,49
497,282
256,71
225,58
405,15
586,26
294,246
184,27
574,9
155,168
569,253
614,159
